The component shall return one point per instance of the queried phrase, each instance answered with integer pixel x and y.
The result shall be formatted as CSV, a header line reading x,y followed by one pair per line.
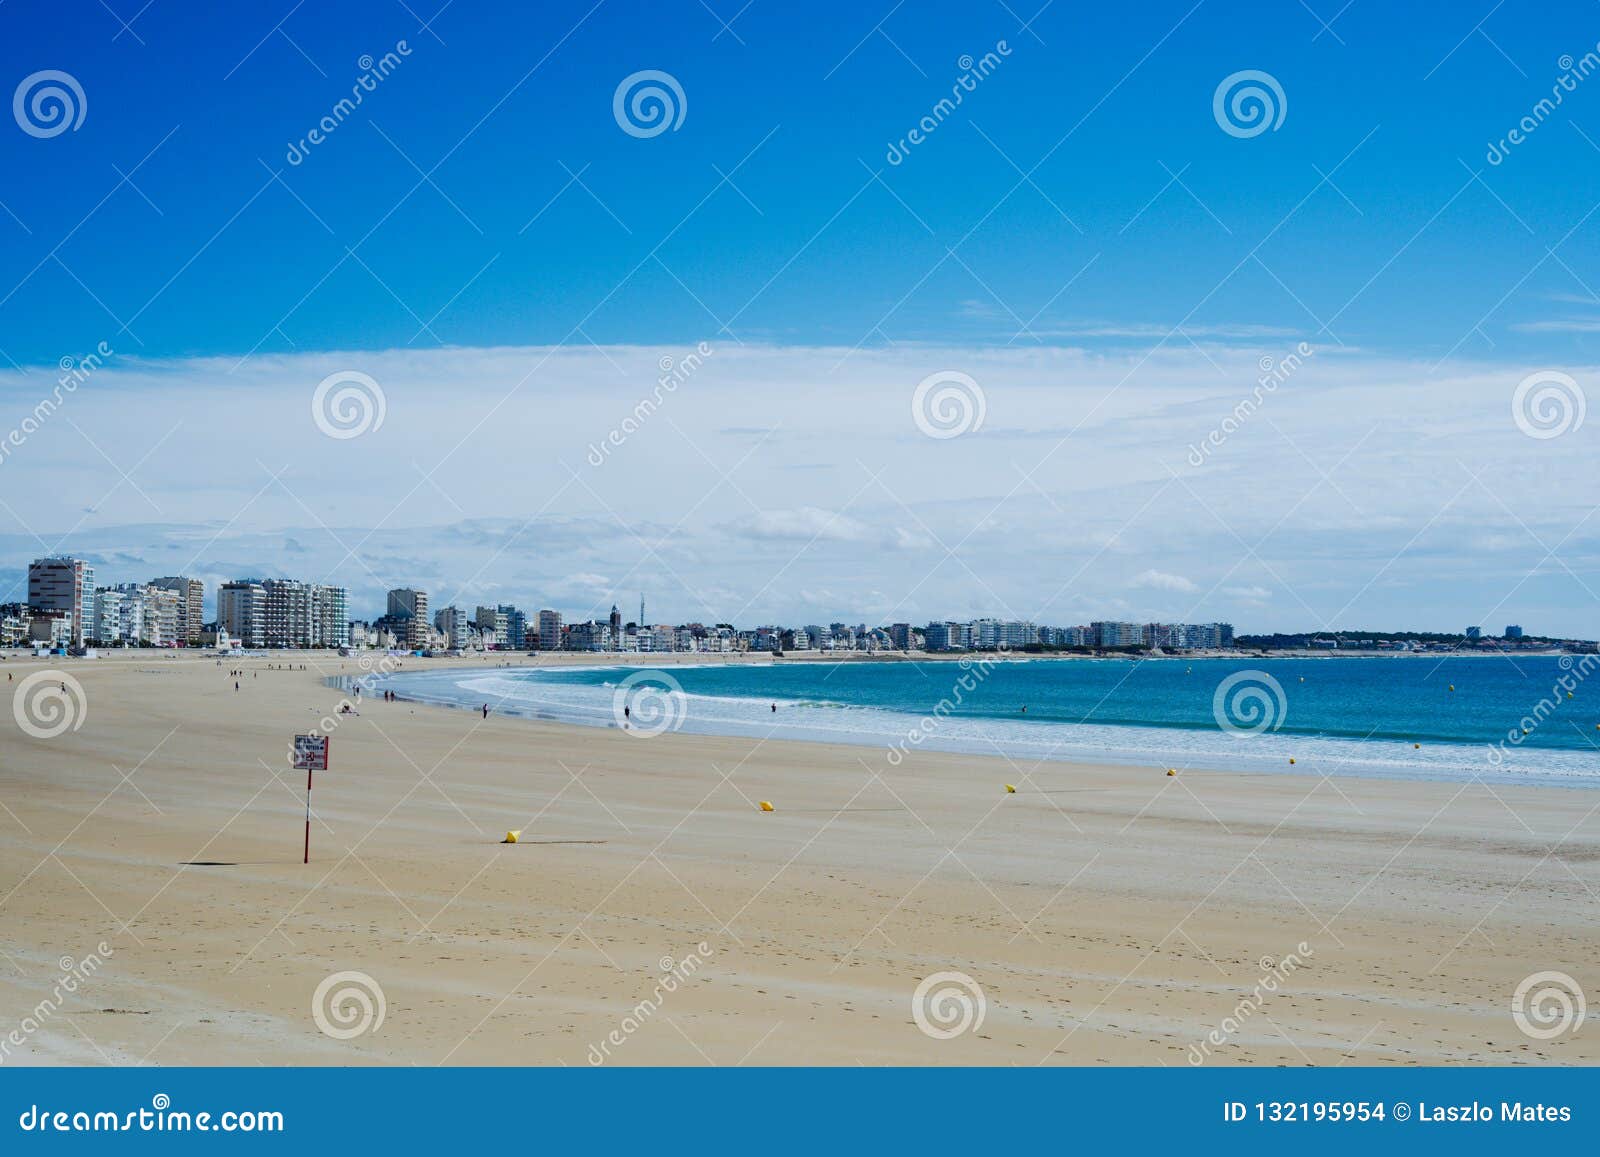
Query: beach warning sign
x,y
311,752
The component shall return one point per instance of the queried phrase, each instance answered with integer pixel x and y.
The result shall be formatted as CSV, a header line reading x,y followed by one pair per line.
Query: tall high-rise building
x,y
288,612
163,615
516,627
118,618
1513,632
242,611
492,626
452,622
284,613
330,617
549,630
191,604
64,585
404,601
1115,634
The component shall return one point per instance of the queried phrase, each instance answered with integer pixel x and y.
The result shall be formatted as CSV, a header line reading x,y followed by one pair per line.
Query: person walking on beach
x,y
486,711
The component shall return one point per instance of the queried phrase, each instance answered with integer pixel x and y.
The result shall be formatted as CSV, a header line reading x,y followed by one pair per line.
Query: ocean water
x,y
1521,719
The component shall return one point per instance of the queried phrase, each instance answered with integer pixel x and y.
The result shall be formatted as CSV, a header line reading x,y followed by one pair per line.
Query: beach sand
x,y
1109,915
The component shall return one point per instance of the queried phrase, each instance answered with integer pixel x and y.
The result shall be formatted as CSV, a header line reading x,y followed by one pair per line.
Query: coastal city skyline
x,y
66,608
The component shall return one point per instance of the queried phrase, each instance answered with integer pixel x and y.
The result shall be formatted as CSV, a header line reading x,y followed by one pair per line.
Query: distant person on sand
x,y
486,711
774,707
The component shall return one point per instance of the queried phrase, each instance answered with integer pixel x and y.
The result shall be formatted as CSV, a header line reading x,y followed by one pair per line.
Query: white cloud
x,y
805,524
1248,594
774,470
1161,581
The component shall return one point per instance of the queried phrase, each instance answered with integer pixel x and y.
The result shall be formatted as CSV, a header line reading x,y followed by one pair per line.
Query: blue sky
x,y
1080,223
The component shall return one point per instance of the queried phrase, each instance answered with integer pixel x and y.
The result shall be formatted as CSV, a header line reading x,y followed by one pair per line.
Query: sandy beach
x,y
1107,915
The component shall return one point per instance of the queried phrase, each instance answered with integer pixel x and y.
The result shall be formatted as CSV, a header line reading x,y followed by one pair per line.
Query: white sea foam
x,y
546,695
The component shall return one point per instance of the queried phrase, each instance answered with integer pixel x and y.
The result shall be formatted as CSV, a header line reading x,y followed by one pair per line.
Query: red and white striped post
x,y
307,859
311,753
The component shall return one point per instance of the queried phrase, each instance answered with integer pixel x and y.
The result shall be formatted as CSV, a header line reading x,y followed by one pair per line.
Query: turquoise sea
x,y
1501,719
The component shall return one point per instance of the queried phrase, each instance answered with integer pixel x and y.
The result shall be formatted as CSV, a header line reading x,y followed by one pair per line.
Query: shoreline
x,y
1109,914
1109,743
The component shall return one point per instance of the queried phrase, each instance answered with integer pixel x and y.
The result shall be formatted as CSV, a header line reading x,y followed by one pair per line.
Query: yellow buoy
x,y
766,806
1452,686
1011,789
1291,759
1416,746
512,837
1172,771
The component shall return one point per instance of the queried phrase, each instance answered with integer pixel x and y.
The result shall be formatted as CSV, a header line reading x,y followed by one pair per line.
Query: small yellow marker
x,y
1452,686
1416,747
1011,789
1172,771
1291,759
512,837
766,806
